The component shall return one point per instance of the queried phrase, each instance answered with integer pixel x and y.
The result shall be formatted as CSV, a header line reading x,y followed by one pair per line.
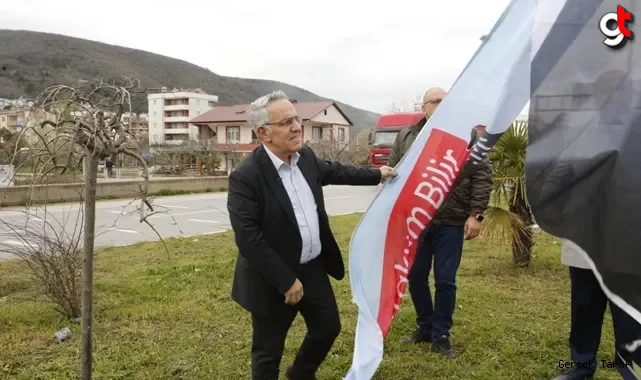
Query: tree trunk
x,y
522,247
523,241
91,174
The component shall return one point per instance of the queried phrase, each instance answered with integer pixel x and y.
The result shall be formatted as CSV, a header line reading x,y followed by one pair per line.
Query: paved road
x,y
117,222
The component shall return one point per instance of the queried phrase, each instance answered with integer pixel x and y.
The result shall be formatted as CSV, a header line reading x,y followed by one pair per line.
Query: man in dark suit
x,y
286,247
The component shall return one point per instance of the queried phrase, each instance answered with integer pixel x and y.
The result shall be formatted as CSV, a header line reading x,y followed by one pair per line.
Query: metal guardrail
x,y
123,173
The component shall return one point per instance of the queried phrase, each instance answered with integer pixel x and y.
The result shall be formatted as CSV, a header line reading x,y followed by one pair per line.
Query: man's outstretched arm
x,y
336,173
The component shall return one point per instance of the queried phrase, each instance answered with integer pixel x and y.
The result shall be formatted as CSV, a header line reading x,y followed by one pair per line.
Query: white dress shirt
x,y
303,202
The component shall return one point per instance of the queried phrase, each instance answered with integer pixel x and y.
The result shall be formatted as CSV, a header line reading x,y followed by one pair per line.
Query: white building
x,y
226,127
16,103
170,113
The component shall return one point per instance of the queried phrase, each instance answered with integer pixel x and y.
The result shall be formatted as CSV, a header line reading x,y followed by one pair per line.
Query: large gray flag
x,y
583,164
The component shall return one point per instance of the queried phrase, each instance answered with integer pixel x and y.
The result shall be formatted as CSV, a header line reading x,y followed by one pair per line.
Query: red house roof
x,y
237,113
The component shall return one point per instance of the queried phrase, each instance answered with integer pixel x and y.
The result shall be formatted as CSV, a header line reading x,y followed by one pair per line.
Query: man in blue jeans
x,y
459,218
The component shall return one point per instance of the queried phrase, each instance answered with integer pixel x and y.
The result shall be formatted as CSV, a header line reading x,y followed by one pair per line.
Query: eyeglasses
x,y
433,101
287,122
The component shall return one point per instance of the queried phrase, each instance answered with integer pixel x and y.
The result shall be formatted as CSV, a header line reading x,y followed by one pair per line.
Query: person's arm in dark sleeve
x,y
482,182
335,173
396,153
243,207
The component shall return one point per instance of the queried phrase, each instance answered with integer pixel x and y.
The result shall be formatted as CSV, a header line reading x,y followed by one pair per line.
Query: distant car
x,y
163,169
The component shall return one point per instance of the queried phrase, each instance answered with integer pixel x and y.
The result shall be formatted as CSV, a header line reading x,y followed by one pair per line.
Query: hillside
x,y
31,61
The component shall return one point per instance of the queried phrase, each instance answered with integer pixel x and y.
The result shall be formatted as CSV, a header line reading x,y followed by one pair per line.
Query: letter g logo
x,y
615,27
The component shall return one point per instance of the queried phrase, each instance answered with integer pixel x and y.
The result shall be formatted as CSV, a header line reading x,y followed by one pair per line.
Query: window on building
x,y
233,135
212,104
177,137
341,134
317,133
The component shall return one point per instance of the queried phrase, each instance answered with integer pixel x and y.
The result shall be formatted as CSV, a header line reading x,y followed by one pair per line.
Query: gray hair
x,y
258,115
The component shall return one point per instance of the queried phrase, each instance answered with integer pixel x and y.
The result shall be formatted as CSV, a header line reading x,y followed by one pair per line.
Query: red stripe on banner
x,y
427,187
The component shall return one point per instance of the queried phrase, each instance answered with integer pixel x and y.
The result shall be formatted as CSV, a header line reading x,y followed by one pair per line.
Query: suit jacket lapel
x,y
275,183
306,168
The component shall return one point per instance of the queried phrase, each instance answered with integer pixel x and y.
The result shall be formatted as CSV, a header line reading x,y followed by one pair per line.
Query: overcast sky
x,y
363,53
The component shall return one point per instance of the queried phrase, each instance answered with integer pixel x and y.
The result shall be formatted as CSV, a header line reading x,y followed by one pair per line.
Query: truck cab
x,y
387,128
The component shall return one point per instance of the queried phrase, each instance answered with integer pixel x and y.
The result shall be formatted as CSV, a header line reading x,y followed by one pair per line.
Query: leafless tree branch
x,y
411,104
79,127
352,152
51,248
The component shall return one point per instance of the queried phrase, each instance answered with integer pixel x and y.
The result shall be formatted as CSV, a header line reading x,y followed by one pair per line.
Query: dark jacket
x,y
267,235
470,193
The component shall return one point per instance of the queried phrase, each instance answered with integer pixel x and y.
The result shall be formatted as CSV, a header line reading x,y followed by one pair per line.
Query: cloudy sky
x,y
364,53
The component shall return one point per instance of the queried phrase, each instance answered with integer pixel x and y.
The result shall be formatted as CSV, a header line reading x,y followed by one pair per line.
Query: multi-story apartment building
x,y
138,124
18,120
170,113
14,118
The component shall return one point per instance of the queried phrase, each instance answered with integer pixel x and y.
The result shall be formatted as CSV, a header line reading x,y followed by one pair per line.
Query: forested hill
x,y
31,61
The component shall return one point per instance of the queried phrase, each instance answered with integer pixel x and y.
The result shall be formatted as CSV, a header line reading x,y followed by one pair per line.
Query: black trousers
x,y
588,305
318,308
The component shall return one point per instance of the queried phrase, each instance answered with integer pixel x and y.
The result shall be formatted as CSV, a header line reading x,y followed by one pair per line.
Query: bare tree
x,y
176,159
52,250
409,105
166,159
205,154
209,158
87,126
9,143
230,154
354,152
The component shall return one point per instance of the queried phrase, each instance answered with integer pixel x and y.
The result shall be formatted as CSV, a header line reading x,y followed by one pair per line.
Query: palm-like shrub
x,y
509,217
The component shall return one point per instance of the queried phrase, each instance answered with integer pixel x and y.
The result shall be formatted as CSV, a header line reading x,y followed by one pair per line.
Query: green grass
x,y
173,319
